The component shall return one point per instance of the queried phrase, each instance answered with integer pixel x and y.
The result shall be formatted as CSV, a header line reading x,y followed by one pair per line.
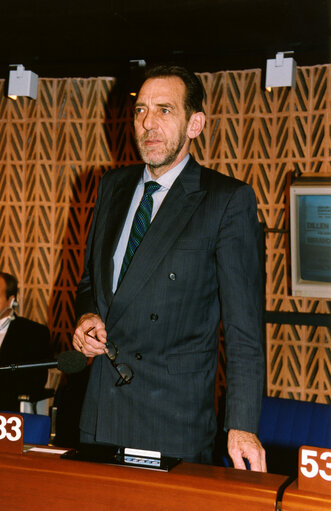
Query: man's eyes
x,y
141,110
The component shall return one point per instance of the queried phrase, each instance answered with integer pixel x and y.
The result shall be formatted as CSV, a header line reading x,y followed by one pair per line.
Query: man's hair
x,y
194,89
11,284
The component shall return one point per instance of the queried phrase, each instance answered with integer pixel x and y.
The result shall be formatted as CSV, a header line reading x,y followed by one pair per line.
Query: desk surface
x,y
44,481
295,499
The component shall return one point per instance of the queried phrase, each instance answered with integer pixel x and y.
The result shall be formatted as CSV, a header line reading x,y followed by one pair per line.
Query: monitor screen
x,y
315,237
310,217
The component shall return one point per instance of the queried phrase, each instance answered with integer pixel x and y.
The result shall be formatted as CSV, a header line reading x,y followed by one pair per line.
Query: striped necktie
x,y
140,224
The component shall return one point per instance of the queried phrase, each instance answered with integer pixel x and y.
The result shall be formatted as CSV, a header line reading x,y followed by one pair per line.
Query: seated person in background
x,y
21,341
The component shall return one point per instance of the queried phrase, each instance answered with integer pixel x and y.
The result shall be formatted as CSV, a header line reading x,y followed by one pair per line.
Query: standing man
x,y
21,341
156,284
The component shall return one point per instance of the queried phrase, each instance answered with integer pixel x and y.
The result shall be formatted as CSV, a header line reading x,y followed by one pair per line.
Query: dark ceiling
x,y
99,38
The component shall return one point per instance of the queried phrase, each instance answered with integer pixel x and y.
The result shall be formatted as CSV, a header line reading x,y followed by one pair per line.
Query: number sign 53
x,y
315,469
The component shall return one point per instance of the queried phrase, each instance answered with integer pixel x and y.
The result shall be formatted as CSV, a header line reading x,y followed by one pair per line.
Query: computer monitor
x,y
310,229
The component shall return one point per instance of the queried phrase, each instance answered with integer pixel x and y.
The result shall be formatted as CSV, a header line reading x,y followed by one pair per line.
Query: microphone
x,y
67,362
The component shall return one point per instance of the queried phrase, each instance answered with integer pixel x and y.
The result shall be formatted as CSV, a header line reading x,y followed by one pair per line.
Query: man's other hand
x,y
242,444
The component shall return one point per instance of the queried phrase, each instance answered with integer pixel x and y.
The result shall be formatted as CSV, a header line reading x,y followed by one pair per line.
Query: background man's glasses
x,y
111,351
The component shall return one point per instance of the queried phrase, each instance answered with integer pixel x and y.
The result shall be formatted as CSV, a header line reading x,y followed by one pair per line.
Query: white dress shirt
x,y
4,325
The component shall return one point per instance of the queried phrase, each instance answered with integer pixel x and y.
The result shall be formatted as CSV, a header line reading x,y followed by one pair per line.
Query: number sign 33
x,y
315,469
11,433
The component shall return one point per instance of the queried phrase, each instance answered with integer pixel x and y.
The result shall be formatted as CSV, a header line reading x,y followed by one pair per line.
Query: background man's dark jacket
x,y
25,341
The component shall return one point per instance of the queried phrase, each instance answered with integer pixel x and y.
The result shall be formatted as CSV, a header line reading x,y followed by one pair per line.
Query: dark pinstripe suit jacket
x,y
197,262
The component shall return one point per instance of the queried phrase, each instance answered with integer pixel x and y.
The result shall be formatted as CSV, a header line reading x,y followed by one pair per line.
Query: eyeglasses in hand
x,y
111,351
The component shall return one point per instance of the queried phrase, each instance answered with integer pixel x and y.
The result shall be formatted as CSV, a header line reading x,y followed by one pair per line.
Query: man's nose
x,y
149,121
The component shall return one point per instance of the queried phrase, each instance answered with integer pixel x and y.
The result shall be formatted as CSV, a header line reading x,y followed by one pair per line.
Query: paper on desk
x,y
48,450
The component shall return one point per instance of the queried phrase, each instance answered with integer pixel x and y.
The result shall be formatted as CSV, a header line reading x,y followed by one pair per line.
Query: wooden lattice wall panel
x,y
54,150
53,153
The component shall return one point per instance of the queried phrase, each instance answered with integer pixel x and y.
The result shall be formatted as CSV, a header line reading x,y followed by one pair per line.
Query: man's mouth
x,y
150,143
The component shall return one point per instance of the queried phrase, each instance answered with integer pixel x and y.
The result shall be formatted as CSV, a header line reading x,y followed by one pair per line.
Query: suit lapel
x,y
177,208
117,211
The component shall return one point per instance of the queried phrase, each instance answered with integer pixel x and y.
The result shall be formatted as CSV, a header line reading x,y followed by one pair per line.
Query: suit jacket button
x,y
172,276
154,317
138,356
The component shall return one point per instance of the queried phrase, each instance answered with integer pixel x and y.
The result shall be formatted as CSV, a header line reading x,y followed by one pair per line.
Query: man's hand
x,y
90,335
242,444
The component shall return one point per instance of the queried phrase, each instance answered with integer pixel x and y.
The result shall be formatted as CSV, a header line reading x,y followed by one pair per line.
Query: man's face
x,y
4,301
160,123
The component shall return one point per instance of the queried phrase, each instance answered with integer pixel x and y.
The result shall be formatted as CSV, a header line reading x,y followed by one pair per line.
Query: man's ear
x,y
196,124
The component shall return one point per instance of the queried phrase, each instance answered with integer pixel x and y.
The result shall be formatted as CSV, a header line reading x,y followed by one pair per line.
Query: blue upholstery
x,y
285,426
37,428
291,423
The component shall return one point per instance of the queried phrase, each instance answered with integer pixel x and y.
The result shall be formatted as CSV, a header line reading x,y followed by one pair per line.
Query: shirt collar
x,y
167,179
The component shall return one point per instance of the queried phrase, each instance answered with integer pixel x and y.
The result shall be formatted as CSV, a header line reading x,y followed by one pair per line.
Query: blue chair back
x,y
286,425
291,423
37,428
